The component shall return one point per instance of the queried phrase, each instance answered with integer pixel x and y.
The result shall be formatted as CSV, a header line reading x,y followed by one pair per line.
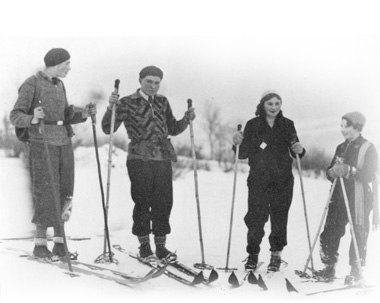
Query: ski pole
x,y
352,231
202,265
233,204
304,208
56,198
102,257
116,91
320,226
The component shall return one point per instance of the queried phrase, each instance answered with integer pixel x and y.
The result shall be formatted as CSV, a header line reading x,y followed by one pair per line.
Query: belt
x,y
55,122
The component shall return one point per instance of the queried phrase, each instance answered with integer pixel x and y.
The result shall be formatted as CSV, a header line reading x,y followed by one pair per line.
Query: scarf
x,y
359,192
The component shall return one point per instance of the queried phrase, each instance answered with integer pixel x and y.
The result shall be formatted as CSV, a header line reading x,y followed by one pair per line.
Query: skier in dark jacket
x,y
148,119
355,161
268,142
52,107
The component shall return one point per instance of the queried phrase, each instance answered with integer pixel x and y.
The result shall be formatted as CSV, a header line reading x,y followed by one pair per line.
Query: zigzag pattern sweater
x,y
148,125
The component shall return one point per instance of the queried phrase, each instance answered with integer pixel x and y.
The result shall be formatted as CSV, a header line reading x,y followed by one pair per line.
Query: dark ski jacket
x,y
269,149
148,126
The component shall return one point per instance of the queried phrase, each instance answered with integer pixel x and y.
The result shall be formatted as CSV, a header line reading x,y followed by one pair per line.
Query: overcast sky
x,y
320,76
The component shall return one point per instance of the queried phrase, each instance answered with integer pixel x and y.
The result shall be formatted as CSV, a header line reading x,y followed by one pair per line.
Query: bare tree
x,y
219,135
213,122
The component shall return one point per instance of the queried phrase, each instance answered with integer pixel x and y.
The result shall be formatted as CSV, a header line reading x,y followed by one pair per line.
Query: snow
x,y
21,279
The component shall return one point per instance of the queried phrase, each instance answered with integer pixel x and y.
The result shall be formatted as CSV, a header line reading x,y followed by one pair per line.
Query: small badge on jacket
x,y
263,145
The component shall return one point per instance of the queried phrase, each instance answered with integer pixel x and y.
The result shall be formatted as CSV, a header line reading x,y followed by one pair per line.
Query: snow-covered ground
x,y
25,280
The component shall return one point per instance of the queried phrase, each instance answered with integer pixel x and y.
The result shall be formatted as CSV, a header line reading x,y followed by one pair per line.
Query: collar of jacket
x,y
45,76
278,118
138,95
357,142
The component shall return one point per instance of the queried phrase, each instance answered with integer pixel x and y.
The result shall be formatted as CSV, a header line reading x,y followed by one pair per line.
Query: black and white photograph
x,y
206,150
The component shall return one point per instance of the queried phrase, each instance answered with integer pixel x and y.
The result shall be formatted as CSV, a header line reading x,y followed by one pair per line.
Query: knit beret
x,y
269,94
151,71
56,56
356,118
270,91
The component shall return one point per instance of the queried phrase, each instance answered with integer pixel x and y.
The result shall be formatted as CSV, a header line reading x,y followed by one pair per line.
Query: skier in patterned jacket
x,y
355,161
268,142
148,119
52,107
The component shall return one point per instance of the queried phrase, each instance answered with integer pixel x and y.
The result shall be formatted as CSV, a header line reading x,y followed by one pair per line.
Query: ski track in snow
x,y
23,279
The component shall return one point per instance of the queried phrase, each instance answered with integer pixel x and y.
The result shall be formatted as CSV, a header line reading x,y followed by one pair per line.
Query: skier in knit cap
x,y
355,161
149,121
43,97
269,140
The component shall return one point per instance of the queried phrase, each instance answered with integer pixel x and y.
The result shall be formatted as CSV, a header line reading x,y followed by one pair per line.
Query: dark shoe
x,y
275,263
163,253
145,250
42,252
252,261
327,274
59,251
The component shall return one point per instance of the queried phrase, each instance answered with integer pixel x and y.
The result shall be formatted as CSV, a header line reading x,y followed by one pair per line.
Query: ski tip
x,y
289,286
233,280
198,279
261,283
252,279
213,276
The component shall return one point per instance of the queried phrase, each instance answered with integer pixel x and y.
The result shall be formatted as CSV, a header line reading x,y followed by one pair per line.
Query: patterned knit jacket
x,y
148,125
349,151
53,100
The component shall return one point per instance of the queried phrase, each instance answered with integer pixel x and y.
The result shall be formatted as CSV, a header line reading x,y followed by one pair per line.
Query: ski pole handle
x,y
189,103
239,127
115,91
93,117
116,86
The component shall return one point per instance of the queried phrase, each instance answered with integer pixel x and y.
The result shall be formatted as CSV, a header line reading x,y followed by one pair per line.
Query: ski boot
x,y
42,252
354,277
251,263
145,251
163,253
325,275
59,251
275,261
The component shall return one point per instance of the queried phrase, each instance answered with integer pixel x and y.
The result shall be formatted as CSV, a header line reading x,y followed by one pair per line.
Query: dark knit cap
x,y
356,118
151,71
56,56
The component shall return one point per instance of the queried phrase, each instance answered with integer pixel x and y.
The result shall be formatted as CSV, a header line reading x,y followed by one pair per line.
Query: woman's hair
x,y
260,111
356,126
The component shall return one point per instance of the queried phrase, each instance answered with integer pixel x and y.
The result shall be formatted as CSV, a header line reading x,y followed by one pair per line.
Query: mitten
x,y
67,209
341,170
331,173
189,115
237,138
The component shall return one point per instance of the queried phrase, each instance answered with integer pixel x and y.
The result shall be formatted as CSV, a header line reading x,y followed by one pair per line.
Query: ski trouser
x,y
334,230
62,163
270,200
152,193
